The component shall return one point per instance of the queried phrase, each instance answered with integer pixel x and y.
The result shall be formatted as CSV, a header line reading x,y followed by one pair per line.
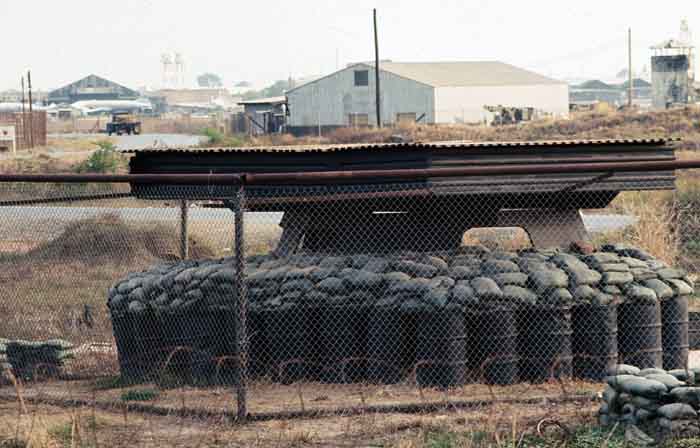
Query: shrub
x,y
106,159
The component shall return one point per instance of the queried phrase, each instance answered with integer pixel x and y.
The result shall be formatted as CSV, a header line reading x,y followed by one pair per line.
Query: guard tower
x,y
673,70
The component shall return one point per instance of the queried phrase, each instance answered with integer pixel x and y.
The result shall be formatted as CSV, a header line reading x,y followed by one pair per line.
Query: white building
x,y
439,92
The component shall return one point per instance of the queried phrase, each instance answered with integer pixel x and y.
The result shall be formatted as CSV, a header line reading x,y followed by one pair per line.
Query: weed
x,y
104,160
140,395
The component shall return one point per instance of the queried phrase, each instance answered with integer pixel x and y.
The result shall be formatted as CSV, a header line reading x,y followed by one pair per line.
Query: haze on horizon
x,y
262,42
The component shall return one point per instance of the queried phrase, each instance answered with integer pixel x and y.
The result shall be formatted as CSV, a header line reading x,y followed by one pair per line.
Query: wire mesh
x,y
359,297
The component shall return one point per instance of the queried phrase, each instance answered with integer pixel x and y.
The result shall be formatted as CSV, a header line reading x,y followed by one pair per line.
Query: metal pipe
x,y
166,178
342,176
241,309
487,170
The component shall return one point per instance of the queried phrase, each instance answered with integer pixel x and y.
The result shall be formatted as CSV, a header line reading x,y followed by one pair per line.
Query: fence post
x,y
241,309
184,242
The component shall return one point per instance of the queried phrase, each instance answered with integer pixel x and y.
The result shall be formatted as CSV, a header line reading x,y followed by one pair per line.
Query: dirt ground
x,y
87,426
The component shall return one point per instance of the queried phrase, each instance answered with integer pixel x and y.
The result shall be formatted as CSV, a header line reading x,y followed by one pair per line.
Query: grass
x,y
140,395
582,437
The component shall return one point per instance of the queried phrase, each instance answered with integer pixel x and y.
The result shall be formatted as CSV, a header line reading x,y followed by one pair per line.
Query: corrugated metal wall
x,y
330,100
466,104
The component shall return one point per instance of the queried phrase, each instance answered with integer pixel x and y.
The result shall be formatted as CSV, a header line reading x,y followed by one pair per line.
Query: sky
x,y
262,41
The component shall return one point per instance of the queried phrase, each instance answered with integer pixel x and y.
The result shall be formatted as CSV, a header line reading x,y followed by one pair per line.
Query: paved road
x,y
595,223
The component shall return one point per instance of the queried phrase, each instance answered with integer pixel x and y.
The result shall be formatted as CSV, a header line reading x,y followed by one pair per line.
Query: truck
x,y
123,122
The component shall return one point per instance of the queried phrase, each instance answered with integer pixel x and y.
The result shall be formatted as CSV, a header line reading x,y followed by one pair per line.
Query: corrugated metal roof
x,y
268,100
464,74
408,145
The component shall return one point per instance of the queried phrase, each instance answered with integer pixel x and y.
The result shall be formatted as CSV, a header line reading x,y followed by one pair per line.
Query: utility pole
x,y
31,112
24,120
629,67
376,71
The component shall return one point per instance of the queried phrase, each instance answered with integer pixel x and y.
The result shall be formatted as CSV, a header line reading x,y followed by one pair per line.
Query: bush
x,y
106,159
215,136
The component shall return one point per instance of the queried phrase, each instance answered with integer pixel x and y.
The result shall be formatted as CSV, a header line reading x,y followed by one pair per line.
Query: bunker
x,y
371,264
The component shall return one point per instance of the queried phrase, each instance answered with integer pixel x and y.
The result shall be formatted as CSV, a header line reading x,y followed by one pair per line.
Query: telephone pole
x,y
376,71
629,67
25,140
31,112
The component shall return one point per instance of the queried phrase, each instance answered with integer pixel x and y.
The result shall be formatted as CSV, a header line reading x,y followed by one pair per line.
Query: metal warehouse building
x,y
440,92
92,87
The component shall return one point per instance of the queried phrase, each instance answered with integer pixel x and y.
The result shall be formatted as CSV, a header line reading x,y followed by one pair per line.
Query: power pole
x,y
629,67
25,140
31,112
376,71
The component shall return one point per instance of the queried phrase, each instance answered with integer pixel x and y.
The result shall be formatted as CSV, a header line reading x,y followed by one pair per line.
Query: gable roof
x,y
462,74
454,74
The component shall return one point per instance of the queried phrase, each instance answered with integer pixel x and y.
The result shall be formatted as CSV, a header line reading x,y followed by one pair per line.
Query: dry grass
x,y
48,287
41,424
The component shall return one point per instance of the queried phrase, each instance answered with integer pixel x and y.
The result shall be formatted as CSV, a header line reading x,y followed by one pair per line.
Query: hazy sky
x,y
261,41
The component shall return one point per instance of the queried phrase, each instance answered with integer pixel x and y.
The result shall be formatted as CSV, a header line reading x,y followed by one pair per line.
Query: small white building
x,y
423,92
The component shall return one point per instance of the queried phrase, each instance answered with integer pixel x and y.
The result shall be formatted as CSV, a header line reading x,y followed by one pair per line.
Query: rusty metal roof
x,y
399,146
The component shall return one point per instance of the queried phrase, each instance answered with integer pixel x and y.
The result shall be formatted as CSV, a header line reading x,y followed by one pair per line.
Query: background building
x,y
265,115
442,92
91,87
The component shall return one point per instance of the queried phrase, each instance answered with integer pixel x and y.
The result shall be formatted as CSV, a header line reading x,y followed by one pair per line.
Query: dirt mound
x,y
108,237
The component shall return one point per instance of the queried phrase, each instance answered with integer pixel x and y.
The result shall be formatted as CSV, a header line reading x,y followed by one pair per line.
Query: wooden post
x,y
376,71
184,241
241,342
24,120
31,110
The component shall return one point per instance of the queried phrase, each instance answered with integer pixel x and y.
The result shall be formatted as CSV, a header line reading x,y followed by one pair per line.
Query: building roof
x,y
456,74
269,100
672,44
595,84
463,74
405,145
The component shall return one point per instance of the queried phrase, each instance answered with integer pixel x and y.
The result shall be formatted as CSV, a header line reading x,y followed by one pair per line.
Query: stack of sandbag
x,y
663,403
38,359
450,317
5,365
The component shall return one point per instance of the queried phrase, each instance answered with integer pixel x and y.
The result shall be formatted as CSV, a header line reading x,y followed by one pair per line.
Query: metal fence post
x,y
184,242
241,308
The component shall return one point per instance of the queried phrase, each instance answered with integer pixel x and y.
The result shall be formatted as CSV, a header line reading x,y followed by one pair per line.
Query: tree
x,y
276,89
209,80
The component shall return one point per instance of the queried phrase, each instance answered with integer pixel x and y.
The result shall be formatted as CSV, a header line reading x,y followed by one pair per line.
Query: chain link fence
x,y
338,299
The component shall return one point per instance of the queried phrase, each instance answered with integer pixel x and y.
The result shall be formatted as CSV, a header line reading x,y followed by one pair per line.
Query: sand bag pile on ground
x,y
31,360
662,403
299,305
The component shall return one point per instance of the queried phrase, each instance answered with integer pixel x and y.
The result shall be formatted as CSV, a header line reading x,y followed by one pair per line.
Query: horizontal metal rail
x,y
493,170
339,177
157,179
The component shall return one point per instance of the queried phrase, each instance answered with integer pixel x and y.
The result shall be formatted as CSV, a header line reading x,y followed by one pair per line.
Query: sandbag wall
x,y
441,319
34,360
661,404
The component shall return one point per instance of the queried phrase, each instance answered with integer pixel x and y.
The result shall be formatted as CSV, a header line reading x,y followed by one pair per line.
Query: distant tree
x,y
209,80
276,89
243,84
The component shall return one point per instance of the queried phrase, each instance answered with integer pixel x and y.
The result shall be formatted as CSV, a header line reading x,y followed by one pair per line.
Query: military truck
x,y
123,122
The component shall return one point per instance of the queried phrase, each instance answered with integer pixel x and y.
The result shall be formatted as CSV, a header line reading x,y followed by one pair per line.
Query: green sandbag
x,y
687,395
635,385
670,381
677,411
